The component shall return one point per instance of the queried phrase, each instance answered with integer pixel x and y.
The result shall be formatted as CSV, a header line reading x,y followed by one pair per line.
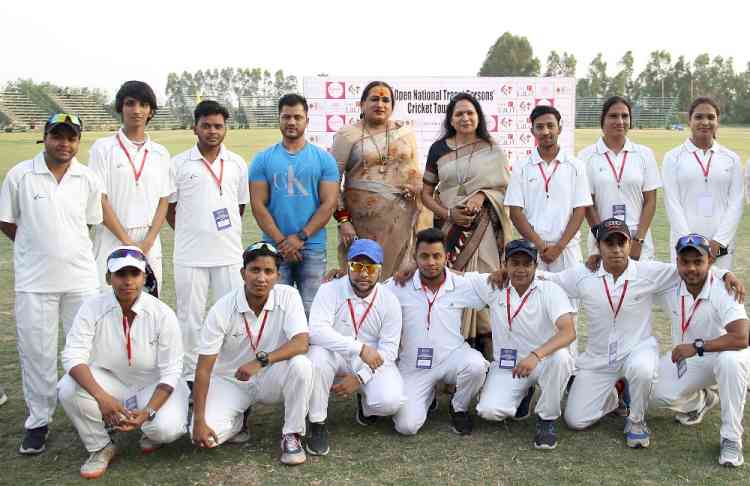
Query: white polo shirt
x,y
532,325
443,334
711,312
712,209
332,327
225,334
633,323
134,203
208,225
52,251
549,211
98,338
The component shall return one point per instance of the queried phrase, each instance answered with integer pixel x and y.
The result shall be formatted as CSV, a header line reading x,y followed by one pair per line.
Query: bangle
x,y
342,215
537,356
342,221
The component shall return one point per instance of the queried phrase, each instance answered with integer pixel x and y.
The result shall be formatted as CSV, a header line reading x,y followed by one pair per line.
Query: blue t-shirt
x,y
293,181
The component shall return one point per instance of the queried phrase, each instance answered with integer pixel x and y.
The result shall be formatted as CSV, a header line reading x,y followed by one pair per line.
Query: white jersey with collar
x,y
533,325
97,338
198,240
224,333
52,251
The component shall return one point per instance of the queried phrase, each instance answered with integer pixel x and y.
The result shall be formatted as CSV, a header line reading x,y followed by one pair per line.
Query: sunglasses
x,y
64,118
262,245
127,252
359,267
692,239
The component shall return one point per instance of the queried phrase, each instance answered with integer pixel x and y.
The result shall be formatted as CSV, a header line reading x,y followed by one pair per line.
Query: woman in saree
x,y
464,185
377,158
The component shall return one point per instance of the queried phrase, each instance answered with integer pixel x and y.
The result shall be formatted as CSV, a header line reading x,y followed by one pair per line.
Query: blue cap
x,y
693,240
522,246
364,247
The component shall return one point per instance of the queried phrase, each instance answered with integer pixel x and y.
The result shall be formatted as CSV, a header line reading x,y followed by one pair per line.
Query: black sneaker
x,y
433,406
363,419
35,441
546,434
461,421
524,408
317,439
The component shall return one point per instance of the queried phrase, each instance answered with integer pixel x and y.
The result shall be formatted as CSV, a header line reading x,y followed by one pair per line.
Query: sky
x,y
101,44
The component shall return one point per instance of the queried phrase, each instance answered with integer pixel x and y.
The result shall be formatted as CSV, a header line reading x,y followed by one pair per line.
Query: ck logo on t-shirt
x,y
291,184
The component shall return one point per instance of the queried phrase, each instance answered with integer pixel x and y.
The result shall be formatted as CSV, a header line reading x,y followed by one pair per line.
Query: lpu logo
x,y
335,90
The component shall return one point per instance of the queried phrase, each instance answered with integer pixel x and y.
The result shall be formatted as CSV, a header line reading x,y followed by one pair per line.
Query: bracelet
x,y
342,215
537,356
342,221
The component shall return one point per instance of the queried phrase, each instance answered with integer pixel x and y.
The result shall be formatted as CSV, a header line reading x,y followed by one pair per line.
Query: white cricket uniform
x,y
533,318
134,203
99,340
54,267
226,335
710,205
208,237
618,347
336,346
707,317
635,168
433,348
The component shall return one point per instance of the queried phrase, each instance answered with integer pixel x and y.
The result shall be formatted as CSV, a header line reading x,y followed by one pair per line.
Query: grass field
x,y
494,454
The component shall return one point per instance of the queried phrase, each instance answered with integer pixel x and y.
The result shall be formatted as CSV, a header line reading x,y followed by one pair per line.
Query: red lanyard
x,y
221,172
544,175
507,305
355,325
254,346
431,302
136,173
683,323
126,329
609,297
618,177
707,168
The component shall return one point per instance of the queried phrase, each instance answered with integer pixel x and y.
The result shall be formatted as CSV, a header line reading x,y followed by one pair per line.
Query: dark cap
x,y
522,246
608,227
694,240
57,119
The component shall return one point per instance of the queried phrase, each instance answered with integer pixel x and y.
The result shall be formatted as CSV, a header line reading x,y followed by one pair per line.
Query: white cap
x,y
126,256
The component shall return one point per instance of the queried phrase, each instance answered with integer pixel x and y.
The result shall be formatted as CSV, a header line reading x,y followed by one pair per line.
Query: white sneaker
x,y
637,434
97,463
710,400
148,445
240,437
731,453
3,396
292,452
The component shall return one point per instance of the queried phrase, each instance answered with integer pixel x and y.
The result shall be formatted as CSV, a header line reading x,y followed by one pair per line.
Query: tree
x,y
622,84
598,80
653,79
564,66
510,56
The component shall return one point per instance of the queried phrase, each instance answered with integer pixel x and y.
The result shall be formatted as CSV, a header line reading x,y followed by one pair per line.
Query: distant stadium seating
x,y
20,112
257,112
164,120
93,114
654,112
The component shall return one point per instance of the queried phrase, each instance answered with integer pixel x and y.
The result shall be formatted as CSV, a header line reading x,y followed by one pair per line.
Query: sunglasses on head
x,y
360,267
127,252
262,245
64,118
692,239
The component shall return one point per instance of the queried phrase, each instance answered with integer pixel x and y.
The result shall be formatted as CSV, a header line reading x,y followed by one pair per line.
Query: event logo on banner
x,y
422,102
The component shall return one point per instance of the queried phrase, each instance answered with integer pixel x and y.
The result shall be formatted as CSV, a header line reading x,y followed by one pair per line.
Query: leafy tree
x,y
597,77
564,66
510,56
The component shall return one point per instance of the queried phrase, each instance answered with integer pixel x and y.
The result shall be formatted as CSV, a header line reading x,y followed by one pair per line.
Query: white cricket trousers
x,y
289,382
593,393
728,369
569,258
83,410
191,288
383,394
105,242
37,326
464,367
502,393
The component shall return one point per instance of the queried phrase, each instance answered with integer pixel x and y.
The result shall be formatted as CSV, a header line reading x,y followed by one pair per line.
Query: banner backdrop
x,y
422,102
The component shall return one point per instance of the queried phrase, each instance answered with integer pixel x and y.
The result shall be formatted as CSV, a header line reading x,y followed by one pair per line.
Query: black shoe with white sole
x,y
361,418
460,421
546,434
317,439
34,441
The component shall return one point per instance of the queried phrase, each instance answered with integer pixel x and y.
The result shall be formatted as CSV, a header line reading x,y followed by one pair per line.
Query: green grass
x,y
494,454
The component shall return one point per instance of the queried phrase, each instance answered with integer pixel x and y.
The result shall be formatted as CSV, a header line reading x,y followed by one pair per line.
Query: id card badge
x,y
706,204
508,358
612,350
424,358
681,368
618,211
131,403
221,218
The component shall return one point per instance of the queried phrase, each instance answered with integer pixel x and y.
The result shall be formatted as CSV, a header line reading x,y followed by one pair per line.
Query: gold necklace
x,y
382,158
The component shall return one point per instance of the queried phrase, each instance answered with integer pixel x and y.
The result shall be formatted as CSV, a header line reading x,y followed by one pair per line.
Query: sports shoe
x,y
731,453
546,434
460,421
317,439
3,396
147,445
524,408
97,463
361,418
433,405
623,399
710,400
637,434
240,437
34,441
292,452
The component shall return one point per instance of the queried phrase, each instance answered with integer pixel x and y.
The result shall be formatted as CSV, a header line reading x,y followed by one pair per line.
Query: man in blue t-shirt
x,y
294,187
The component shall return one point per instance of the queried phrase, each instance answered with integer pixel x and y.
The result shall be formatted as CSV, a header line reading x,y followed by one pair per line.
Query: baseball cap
x,y
608,227
693,240
522,246
364,247
126,256
57,119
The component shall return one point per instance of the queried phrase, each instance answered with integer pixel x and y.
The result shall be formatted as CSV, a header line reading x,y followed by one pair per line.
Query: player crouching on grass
x,y
709,335
123,357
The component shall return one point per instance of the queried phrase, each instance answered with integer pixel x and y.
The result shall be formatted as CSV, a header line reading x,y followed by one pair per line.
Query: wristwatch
x,y
698,345
151,414
640,241
302,235
262,358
